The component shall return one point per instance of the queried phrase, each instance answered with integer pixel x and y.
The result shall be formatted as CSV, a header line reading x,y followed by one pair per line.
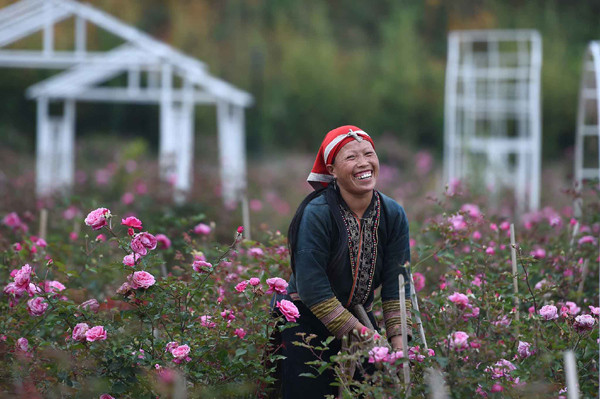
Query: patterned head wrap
x,y
331,145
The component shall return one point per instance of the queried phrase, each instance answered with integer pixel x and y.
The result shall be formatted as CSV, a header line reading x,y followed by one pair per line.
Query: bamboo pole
x,y
404,330
43,232
513,255
415,303
571,371
584,270
575,231
437,386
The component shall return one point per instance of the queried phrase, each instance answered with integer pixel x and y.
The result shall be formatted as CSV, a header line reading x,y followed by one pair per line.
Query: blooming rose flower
x,y
254,281
472,210
90,304
131,259
106,396
205,322
288,309
241,286
202,267
23,276
141,279
12,220
277,284
587,240
79,332
538,253
240,333
22,344
524,349
584,322
142,242
378,354
202,229
256,252
461,300
164,242
419,280
124,288
96,219
502,368
595,310
504,226
549,312
227,315
497,388
37,306
573,309
414,354
96,333
459,340
181,352
457,222
132,222
53,286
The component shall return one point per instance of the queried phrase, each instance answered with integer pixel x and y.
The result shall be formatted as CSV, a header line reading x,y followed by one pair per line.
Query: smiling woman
x,y
346,239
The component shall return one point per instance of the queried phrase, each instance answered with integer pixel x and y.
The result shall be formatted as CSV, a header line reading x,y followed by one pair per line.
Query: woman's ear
x,y
330,169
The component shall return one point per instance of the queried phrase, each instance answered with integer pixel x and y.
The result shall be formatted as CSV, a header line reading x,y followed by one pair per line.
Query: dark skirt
x,y
291,383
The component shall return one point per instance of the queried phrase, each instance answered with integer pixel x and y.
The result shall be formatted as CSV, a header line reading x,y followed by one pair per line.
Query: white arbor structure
x,y
588,122
492,132
155,73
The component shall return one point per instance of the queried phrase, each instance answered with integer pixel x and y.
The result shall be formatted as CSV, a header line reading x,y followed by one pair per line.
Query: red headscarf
x,y
331,145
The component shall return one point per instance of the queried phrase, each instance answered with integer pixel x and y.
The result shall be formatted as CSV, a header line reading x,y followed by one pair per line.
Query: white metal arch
x,y
140,54
492,132
588,117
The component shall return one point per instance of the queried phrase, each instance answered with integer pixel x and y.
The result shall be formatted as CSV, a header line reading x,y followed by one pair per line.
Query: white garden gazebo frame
x,y
173,80
492,132
588,117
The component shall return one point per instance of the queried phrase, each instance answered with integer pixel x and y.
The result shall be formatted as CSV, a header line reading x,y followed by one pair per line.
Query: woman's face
x,y
356,167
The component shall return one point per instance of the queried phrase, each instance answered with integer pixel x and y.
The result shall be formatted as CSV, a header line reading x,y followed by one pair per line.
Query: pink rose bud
x,y
254,281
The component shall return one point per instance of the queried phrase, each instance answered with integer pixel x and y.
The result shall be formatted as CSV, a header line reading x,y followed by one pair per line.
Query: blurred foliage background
x,y
313,65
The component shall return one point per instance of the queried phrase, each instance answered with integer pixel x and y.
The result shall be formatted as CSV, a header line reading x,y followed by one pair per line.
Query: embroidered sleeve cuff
x,y
338,320
391,316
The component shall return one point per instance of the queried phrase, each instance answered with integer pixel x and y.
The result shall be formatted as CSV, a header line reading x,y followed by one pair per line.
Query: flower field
x,y
117,292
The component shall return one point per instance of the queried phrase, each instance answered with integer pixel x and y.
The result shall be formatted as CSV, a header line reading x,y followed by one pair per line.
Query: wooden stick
x,y
415,303
436,383
584,270
571,371
404,330
513,255
361,315
575,231
43,223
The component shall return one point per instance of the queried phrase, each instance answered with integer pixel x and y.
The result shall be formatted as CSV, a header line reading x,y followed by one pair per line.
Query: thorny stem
x,y
519,258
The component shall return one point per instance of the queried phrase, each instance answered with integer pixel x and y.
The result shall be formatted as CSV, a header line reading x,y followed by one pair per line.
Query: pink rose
x,y
573,309
22,344
96,219
584,323
202,229
14,289
90,304
254,281
457,222
12,220
141,279
205,322
240,333
40,242
501,368
459,341
164,242
106,396
124,288
277,284
23,276
419,281
504,226
255,252
241,286
201,266
96,333
79,332
227,315
240,229
538,253
180,351
587,240
37,306
595,310
549,312
524,349
472,210
460,300
132,222
288,309
131,259
53,286
378,354
142,242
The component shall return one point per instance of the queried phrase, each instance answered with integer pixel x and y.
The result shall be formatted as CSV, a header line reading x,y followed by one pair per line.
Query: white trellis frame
x,y
173,80
492,131
588,122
